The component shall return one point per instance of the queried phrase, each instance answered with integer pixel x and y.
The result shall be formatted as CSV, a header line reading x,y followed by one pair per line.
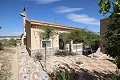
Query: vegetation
x,y
46,34
91,40
65,72
38,56
12,42
85,36
64,53
79,62
61,73
111,76
1,46
5,42
111,37
74,35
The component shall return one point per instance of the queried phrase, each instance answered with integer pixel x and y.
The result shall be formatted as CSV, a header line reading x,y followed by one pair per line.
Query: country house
x,y
34,41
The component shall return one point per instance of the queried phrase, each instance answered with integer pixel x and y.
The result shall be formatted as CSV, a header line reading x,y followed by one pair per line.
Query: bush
x,y
64,72
38,56
12,42
60,73
1,46
111,76
78,62
63,53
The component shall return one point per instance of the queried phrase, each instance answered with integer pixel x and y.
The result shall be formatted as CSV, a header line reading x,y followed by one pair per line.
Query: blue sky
x,y
78,13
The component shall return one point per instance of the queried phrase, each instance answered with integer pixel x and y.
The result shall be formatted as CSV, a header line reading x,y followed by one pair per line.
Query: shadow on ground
x,y
67,73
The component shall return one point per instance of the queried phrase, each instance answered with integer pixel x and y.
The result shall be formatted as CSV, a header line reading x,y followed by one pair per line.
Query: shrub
x,y
12,42
60,73
64,53
1,46
38,56
111,76
78,62
64,72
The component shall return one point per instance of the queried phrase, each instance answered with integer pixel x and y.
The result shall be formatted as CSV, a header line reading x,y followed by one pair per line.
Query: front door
x,y
61,44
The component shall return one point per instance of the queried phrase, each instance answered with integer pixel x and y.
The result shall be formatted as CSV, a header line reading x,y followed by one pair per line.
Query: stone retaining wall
x,y
50,51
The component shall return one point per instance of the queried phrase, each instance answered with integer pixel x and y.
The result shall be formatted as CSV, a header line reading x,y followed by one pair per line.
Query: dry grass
x,y
6,63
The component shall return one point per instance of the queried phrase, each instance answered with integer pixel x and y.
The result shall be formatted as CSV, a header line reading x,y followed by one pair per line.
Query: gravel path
x,y
28,68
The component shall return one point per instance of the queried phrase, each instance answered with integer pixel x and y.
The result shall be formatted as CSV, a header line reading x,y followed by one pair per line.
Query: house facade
x,y
34,42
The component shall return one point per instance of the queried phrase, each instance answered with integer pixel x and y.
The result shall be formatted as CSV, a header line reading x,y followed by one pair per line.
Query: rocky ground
x,y
92,68
10,57
100,62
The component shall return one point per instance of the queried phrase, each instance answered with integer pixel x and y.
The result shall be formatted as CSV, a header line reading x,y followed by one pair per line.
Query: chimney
x,y
23,14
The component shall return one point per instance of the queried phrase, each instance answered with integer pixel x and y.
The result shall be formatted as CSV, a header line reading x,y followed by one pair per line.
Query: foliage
x,y
9,42
1,46
91,38
64,53
5,42
110,76
48,32
61,73
38,56
12,42
65,72
79,62
81,35
74,35
112,36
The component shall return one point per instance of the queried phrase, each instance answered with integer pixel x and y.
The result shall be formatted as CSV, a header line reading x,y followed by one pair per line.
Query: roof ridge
x,y
49,23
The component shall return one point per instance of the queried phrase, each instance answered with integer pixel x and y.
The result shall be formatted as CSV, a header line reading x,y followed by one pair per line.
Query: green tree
x,y
111,37
91,39
47,33
81,35
75,36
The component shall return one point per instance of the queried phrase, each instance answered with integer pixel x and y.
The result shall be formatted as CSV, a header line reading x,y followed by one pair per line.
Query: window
x,y
48,43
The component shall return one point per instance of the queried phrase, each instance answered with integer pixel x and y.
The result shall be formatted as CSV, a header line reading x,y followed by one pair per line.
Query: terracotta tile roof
x,y
36,22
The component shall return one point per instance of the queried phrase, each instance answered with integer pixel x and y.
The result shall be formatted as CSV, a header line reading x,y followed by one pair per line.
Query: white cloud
x,y
44,1
83,18
63,9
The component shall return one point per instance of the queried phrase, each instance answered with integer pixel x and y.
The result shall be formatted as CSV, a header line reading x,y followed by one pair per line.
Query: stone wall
x,y
50,51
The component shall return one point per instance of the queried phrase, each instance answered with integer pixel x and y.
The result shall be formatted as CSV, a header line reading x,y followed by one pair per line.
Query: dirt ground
x,y
9,63
99,64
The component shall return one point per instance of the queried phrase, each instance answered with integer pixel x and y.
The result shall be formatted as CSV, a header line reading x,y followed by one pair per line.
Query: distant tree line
x,y
6,42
